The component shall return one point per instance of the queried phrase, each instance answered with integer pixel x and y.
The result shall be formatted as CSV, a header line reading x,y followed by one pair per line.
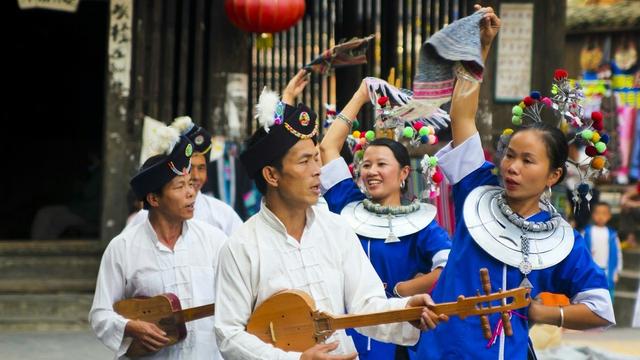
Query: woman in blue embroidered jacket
x,y
535,248
401,241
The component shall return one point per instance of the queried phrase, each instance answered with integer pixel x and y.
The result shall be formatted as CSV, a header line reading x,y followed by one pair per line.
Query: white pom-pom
x,y
183,124
266,108
165,139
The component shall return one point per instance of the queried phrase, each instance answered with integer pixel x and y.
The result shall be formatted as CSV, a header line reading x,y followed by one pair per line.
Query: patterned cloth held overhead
x,y
458,42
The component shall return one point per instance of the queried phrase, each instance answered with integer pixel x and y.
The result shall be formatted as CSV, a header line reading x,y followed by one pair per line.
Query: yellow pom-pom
x,y
507,131
598,162
595,138
522,105
356,134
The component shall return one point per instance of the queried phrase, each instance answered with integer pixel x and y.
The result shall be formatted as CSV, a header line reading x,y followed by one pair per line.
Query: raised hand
x,y
295,87
489,26
321,351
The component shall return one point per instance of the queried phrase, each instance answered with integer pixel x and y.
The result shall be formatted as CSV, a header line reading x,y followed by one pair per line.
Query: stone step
x,y
631,259
47,286
69,306
628,281
68,267
50,247
623,307
45,312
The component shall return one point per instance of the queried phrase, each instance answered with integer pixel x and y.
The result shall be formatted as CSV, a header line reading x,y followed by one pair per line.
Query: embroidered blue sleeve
x,y
432,240
341,194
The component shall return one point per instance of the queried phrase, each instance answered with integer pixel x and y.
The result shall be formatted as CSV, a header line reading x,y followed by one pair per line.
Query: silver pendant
x,y
525,267
526,283
391,238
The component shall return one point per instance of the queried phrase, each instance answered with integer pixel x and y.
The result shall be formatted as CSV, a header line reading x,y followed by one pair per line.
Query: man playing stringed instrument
x,y
168,253
293,244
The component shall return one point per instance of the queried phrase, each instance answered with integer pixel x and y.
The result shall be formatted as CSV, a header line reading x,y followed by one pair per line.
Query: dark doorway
x,y
53,81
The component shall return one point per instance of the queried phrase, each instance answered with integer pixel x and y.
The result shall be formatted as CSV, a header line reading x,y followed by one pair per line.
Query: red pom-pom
x,y
383,100
598,125
560,74
331,112
418,125
351,169
591,151
596,116
362,134
357,147
528,100
437,177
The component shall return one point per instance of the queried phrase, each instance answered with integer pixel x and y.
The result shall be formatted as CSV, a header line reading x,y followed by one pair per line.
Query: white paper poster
x,y
515,45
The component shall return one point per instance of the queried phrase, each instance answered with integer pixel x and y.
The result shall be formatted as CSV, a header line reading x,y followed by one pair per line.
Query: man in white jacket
x,y
293,244
167,253
206,208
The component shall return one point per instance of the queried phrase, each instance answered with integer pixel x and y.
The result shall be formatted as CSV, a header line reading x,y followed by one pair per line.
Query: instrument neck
x,y
198,312
387,317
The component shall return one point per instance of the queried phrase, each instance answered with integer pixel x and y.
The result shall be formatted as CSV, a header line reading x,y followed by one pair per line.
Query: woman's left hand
x,y
295,87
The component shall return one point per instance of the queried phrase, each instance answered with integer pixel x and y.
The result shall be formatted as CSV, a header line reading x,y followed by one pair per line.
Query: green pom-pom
x,y
355,124
424,131
601,147
370,135
516,120
587,134
407,132
359,154
433,161
516,111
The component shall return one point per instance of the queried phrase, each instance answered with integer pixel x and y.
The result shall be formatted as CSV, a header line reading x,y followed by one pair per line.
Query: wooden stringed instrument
x,y
289,320
166,312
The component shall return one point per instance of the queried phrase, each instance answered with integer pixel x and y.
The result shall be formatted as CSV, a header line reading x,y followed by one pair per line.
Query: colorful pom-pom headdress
x,y
566,102
389,124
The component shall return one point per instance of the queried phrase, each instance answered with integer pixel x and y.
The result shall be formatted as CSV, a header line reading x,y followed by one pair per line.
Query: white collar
x,y
274,222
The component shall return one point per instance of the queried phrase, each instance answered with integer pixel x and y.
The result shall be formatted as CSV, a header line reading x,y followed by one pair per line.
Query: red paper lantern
x,y
264,16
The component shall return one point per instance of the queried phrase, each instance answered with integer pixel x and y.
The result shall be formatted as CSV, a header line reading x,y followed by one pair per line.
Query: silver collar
x,y
388,227
496,235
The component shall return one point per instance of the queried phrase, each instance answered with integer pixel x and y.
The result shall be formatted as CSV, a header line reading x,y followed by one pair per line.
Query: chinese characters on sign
x,y
515,42
120,45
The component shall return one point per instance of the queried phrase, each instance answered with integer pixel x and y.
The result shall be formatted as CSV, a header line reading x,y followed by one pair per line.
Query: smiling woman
x,y
402,241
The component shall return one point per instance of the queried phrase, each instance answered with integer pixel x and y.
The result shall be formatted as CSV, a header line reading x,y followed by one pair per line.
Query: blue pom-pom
x,y
424,139
583,189
604,138
536,95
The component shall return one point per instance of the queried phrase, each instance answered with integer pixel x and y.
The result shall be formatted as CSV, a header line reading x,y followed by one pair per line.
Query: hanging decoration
x,y
264,16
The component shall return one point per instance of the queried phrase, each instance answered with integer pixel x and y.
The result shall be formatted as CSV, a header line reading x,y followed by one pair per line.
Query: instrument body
x,y
163,310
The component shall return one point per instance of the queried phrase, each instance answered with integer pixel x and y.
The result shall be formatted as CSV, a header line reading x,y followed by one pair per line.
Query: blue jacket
x,y
612,267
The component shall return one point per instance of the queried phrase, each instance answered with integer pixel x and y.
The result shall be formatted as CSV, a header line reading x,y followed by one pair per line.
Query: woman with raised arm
x,y
511,230
402,241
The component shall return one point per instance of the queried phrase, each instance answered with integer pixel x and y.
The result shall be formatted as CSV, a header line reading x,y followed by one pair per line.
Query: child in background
x,y
604,243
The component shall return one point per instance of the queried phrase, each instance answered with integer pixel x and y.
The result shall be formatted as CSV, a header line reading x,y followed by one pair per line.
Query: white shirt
x,y
136,264
600,246
328,264
207,209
